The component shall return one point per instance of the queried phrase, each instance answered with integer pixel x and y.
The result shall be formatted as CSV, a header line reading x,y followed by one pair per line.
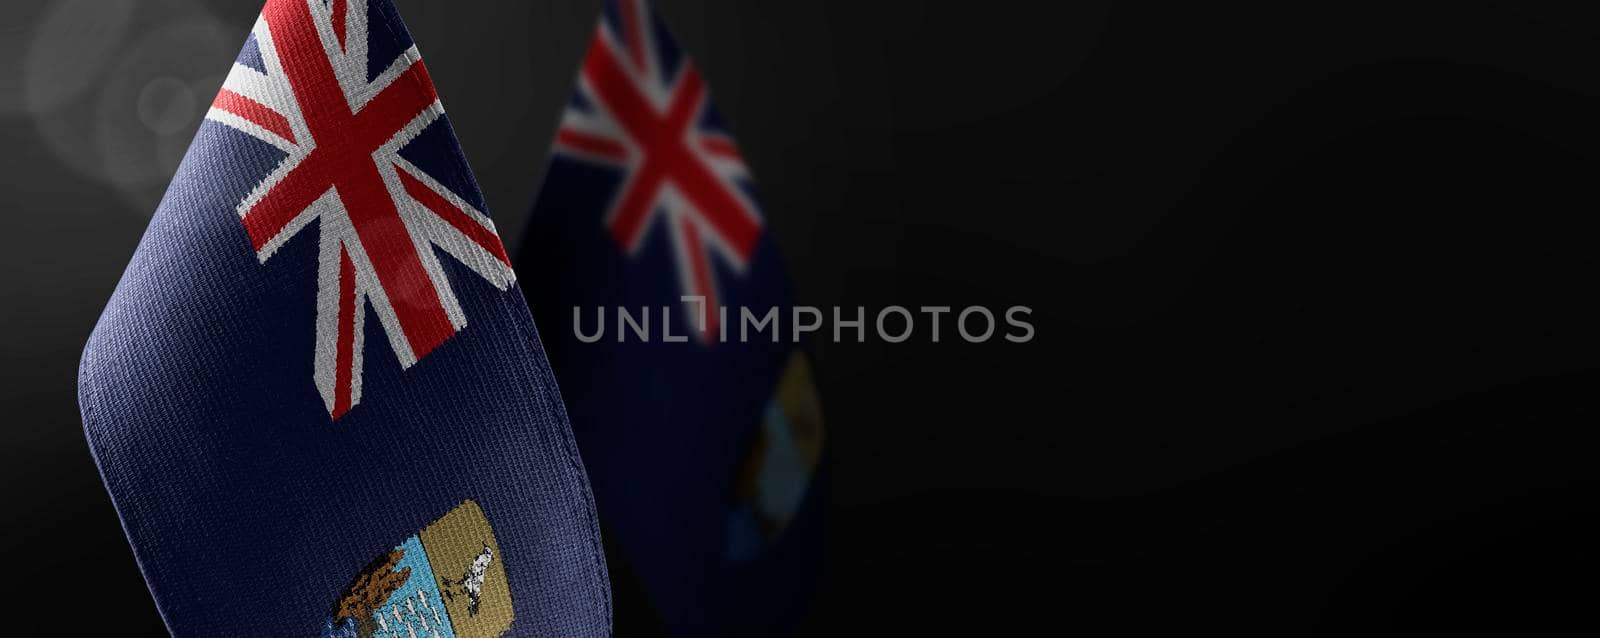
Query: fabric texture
x,y
317,398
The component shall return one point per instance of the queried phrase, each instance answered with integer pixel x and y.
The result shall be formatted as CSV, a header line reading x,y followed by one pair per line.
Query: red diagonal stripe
x,y
254,112
592,144
720,146
633,30
454,215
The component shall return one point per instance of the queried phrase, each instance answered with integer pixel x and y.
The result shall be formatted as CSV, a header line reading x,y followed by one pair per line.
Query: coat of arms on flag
x,y
445,581
776,471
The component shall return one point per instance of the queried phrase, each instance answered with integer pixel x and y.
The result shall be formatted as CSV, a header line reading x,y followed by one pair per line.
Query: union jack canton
x,y
643,107
342,112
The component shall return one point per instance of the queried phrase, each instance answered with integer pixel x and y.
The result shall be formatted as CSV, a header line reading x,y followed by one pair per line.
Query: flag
x,y
703,439
317,398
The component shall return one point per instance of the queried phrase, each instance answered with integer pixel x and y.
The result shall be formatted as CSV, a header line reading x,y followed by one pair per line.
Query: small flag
x,y
703,438
319,354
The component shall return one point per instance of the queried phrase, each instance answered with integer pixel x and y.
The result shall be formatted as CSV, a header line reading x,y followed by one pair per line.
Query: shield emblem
x,y
446,581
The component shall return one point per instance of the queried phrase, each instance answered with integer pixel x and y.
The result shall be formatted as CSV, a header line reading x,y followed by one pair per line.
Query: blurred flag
x,y
318,356
702,450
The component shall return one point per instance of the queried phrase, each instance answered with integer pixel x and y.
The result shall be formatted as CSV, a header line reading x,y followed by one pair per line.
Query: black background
x,y
1313,284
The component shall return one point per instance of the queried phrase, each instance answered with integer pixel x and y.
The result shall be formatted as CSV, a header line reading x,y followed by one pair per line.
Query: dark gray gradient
x,y
1312,282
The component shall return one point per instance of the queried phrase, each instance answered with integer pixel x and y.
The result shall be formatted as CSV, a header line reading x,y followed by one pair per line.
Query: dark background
x,y
1313,284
